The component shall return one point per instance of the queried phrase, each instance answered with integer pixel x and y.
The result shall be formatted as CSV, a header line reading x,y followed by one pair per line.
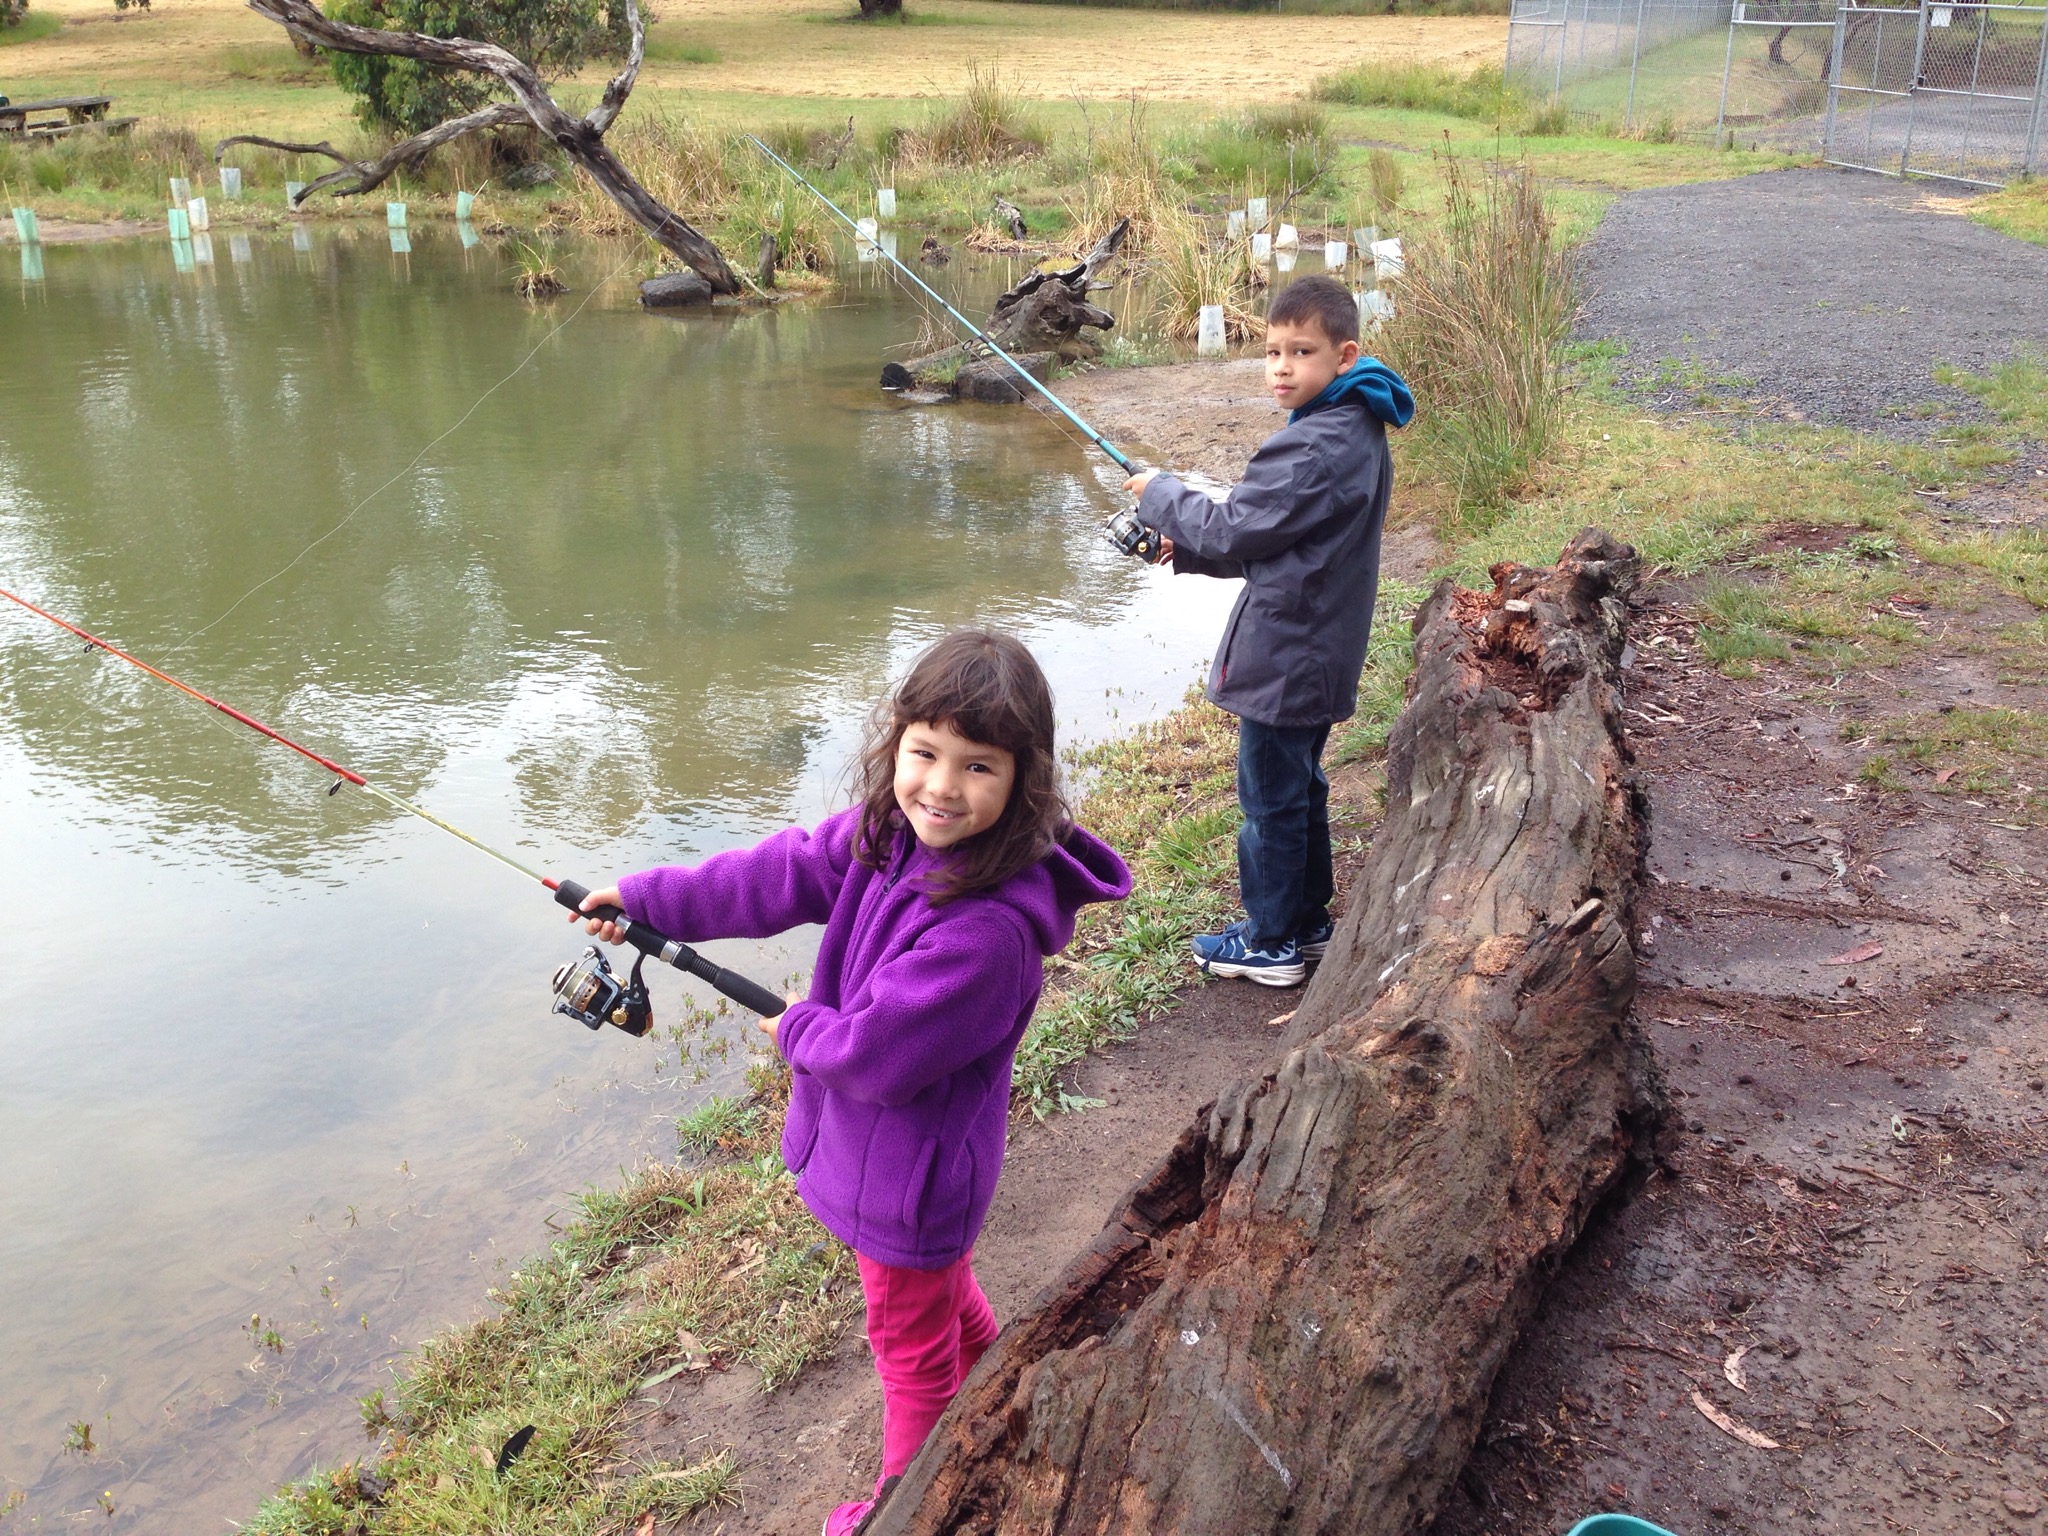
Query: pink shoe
x,y
846,1519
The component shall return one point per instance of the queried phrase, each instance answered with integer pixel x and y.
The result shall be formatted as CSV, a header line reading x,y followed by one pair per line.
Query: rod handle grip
x,y
747,993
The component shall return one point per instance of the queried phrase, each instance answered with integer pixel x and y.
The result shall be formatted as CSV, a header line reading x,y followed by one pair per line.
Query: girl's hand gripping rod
x,y
748,994
1125,531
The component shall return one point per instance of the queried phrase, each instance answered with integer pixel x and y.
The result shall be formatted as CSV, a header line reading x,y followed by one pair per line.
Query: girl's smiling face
x,y
950,788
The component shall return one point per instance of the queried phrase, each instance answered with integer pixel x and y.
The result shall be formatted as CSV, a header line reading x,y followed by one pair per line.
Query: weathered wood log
x,y
1012,217
765,272
1049,310
1293,1324
581,138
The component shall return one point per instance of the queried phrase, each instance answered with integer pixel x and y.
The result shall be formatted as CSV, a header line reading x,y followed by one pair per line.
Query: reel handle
x,y
748,994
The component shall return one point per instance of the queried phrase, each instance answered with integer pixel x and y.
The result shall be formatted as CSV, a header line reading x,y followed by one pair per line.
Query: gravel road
x,y
1831,294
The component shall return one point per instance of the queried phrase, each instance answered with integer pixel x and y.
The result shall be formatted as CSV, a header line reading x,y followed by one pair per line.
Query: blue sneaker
x,y
1232,953
1316,940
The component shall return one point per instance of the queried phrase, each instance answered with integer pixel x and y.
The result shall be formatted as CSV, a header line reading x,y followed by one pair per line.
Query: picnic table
x,y
61,115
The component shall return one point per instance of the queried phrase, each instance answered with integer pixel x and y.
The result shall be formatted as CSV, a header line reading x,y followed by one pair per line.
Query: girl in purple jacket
x,y
942,891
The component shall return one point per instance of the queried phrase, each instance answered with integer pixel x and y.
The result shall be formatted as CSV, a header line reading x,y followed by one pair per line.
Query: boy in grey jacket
x,y
1303,530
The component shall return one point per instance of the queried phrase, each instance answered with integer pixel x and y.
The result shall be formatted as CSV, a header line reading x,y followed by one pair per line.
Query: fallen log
x,y
1293,1324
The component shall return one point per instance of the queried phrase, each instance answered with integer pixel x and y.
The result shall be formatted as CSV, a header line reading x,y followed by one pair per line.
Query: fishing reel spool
x,y
1133,537
589,991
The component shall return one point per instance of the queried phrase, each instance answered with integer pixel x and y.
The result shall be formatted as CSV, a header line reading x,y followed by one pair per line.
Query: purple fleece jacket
x,y
901,1055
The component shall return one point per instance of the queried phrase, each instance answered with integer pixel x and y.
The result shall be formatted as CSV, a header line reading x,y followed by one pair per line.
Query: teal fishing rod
x,y
966,324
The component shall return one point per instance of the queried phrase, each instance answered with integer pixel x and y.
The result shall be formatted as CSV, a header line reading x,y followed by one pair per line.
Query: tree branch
x,y
581,139
368,175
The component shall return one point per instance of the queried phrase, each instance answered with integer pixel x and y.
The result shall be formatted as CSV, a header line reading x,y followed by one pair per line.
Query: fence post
x,y
1635,59
2027,161
1827,132
1564,33
1913,88
1727,68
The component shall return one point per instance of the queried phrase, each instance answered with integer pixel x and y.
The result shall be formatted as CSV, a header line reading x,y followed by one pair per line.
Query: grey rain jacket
x,y
1303,530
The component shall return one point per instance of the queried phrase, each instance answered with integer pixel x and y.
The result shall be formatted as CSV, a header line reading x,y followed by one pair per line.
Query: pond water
x,y
272,1060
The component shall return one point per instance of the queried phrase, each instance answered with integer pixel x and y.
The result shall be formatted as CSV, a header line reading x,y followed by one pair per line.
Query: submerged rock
x,y
674,288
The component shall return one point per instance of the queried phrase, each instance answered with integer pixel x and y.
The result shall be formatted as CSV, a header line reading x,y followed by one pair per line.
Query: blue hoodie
x,y
1383,391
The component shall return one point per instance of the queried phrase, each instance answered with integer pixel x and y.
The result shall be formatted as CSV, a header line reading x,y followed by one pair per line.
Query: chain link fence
x,y
1936,89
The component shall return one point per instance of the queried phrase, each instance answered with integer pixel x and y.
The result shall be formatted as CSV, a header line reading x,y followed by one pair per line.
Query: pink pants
x,y
927,1327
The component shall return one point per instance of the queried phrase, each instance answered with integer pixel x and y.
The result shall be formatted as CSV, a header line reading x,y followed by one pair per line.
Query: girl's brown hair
x,y
988,687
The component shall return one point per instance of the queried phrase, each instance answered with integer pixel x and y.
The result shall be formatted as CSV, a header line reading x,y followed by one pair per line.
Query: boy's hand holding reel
x,y
1131,534
589,990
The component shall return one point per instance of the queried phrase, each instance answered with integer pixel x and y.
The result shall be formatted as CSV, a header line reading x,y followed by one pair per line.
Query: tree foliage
x,y
554,36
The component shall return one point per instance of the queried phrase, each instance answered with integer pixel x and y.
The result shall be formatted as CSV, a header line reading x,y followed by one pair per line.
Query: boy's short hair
x,y
1319,301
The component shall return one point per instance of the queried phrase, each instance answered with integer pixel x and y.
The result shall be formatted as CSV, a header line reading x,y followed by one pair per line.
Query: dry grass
x,y
987,124
1483,313
1189,267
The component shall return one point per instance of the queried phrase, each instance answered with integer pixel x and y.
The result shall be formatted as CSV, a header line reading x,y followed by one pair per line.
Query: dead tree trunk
x,y
580,138
1050,312
1294,1323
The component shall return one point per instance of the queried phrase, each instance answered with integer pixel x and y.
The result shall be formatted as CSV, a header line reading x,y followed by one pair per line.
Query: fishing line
x,y
567,893
409,468
1123,462
178,647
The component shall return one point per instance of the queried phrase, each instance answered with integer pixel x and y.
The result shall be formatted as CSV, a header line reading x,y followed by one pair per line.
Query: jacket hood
x,y
1050,894
1374,385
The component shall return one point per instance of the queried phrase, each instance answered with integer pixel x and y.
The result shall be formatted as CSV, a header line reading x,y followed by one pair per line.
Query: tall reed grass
x,y
1482,316
989,123
1189,268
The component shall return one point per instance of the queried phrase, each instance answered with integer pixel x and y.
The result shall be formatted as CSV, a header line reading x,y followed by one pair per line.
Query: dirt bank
x,y
1849,1255
808,1446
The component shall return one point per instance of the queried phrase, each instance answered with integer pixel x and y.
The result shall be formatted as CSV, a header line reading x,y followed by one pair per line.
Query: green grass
x,y
2015,391
33,27
684,1268
680,50
2021,211
1979,753
1482,95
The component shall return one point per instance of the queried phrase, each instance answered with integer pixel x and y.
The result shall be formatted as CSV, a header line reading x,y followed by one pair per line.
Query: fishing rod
x,y
1095,437
585,989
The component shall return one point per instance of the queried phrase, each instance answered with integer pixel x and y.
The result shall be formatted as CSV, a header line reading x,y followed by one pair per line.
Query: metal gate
x,y
1957,91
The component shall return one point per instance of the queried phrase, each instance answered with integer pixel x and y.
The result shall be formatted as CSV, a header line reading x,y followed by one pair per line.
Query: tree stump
x,y
1047,314
1293,1324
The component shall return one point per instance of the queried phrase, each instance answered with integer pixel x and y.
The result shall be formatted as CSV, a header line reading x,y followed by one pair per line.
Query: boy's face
x,y
1301,360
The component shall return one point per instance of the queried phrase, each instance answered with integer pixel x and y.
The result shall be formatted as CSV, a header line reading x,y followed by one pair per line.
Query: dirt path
x,y
1858,1216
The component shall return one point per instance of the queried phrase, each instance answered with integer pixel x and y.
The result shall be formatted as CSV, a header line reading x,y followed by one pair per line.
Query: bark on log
x,y
581,138
1293,1324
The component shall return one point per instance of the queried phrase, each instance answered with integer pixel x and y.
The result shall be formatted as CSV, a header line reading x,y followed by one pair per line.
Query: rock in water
x,y
673,288
995,382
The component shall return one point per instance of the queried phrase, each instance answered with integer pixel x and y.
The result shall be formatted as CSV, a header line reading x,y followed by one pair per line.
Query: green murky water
x,y
269,1053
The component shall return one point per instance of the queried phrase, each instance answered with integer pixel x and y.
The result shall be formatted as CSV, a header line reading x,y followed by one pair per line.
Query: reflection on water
x,y
278,1055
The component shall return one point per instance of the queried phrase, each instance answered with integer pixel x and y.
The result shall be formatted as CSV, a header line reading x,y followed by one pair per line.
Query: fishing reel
x,y
587,989
1134,537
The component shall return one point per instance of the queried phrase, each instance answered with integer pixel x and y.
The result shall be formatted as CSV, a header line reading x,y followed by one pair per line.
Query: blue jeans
x,y
1283,850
